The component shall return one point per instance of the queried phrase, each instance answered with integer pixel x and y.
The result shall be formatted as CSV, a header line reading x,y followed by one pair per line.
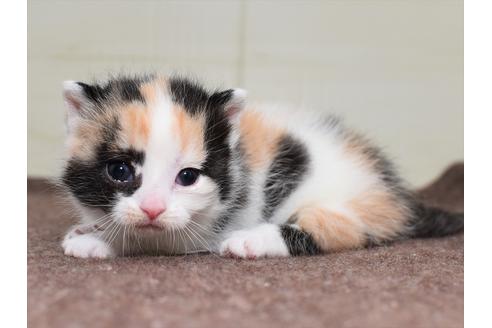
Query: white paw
x,y
262,241
85,246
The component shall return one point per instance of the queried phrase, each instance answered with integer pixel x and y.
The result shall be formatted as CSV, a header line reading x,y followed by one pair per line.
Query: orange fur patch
x,y
258,139
381,214
135,123
190,131
149,90
331,231
81,144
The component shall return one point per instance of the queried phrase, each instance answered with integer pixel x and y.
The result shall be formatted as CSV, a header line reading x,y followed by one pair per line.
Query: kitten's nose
x,y
153,207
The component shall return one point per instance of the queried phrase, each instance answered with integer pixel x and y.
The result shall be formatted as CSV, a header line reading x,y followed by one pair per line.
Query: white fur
x,y
236,104
86,245
264,240
74,100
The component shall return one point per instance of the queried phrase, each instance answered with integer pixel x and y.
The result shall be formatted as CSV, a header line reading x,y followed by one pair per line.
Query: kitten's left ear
x,y
232,100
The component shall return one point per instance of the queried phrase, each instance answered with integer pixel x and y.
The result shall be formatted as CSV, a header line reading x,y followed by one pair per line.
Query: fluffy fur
x,y
272,181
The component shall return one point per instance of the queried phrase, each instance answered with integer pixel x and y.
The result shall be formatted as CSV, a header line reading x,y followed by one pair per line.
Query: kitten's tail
x,y
434,222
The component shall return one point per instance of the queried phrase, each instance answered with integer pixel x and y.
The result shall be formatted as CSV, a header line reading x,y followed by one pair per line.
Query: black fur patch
x,y
298,242
95,93
218,159
192,96
120,89
238,201
239,193
434,222
129,90
289,166
89,182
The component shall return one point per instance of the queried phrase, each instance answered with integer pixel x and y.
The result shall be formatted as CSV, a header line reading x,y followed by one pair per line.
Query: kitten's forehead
x,y
159,120
165,127
148,115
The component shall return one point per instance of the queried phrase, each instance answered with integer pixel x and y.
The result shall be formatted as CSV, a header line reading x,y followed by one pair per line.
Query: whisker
x,y
189,237
199,239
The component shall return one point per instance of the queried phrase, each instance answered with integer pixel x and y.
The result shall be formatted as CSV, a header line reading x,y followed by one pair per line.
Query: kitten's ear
x,y
233,101
236,103
75,102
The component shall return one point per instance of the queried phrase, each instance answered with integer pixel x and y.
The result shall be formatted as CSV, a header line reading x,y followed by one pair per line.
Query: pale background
x,y
392,69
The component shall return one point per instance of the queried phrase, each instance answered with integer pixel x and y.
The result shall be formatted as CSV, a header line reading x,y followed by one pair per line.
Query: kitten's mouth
x,y
149,227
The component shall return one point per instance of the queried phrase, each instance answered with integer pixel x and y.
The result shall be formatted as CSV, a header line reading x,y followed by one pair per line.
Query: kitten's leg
x,y
269,240
317,230
313,230
85,242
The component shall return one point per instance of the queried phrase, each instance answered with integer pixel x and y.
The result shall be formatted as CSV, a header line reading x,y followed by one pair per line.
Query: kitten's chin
x,y
155,227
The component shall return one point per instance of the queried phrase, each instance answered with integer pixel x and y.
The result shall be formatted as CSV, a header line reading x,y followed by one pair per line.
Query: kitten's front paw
x,y
262,241
85,246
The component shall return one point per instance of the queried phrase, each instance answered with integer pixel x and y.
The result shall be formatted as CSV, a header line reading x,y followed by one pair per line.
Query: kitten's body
x,y
272,182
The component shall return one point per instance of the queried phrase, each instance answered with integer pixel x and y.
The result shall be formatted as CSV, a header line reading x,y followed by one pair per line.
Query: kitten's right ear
x,y
76,102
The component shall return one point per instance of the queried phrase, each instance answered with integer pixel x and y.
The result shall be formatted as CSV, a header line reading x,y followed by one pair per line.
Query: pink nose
x,y
153,207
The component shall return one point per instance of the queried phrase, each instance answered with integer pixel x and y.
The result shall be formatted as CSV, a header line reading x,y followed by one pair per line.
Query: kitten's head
x,y
150,152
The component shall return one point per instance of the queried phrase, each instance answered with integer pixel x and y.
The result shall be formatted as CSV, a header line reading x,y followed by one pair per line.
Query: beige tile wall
x,y
393,69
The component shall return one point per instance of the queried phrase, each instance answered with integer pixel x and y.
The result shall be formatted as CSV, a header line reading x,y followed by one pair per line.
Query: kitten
x,y
162,166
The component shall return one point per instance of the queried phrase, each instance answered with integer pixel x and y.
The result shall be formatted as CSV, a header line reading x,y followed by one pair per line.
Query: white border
x,y
13,32
478,148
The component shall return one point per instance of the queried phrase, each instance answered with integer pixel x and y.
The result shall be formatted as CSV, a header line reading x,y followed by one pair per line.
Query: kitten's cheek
x,y
179,217
203,195
125,211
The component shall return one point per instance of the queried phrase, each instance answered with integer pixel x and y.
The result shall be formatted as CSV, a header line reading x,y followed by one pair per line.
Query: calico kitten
x,y
161,165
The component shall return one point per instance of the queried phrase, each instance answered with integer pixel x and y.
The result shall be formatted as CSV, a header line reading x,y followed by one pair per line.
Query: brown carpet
x,y
415,283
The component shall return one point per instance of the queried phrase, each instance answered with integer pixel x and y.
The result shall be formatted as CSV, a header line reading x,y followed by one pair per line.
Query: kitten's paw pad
x,y
263,241
85,246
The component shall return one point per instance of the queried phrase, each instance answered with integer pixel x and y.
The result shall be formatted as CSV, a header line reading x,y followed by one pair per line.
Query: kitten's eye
x,y
187,177
120,171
